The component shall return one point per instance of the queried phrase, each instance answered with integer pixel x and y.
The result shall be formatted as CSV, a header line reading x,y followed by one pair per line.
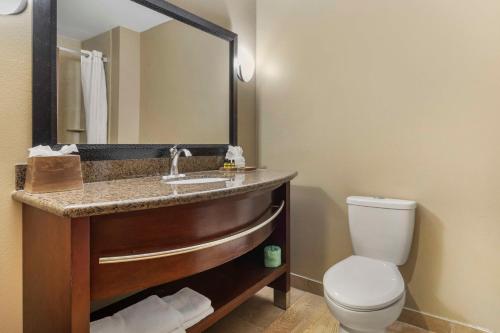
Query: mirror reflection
x,y
129,75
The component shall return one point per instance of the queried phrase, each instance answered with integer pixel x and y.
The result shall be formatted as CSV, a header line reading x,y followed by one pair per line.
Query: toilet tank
x,y
381,228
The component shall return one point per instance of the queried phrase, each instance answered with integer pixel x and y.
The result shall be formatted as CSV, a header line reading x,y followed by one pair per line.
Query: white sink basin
x,y
196,181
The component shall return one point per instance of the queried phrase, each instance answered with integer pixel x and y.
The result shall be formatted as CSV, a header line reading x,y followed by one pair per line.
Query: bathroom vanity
x,y
143,236
121,239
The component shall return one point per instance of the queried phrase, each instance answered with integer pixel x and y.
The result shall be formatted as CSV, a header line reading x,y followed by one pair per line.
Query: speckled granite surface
x,y
96,171
125,195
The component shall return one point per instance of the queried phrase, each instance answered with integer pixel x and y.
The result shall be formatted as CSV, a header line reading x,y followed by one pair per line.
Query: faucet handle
x,y
173,151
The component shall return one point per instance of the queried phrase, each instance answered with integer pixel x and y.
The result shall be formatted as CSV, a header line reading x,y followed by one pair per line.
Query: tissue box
x,y
53,174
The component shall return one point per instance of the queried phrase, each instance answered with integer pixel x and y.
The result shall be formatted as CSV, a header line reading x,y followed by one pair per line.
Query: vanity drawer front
x,y
142,249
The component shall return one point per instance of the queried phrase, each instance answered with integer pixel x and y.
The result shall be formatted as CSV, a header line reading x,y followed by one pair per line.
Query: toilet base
x,y
376,321
344,329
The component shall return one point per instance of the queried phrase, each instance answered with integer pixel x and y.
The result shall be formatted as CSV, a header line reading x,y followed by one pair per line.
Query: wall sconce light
x,y
12,7
245,65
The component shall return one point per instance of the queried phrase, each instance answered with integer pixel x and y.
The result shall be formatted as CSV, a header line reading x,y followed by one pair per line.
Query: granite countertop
x,y
126,195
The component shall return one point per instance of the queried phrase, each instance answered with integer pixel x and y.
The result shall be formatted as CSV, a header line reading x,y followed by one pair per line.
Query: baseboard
x,y
413,317
437,324
304,283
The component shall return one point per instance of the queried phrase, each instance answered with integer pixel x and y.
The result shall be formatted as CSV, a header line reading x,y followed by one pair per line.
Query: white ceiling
x,y
83,19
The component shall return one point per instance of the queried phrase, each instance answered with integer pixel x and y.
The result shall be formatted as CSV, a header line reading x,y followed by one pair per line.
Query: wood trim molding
x,y
413,317
437,324
304,283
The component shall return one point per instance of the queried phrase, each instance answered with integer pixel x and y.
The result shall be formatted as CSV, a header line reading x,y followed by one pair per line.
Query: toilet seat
x,y
363,284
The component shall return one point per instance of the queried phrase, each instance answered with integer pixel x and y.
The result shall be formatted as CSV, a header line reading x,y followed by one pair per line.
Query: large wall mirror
x,y
131,74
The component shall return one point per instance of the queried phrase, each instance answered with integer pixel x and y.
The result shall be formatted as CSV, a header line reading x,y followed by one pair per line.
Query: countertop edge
x,y
123,206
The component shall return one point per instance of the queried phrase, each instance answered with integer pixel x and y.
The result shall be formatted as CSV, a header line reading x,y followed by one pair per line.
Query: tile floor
x,y
307,313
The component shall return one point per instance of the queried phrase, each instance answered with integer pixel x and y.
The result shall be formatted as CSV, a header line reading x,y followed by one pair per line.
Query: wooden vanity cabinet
x,y
213,246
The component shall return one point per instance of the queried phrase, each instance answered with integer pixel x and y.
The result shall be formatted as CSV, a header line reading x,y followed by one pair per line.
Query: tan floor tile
x,y
300,316
259,310
233,324
399,327
308,313
326,323
267,293
457,328
295,295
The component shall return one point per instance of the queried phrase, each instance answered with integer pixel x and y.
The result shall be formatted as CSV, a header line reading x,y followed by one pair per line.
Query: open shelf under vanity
x,y
227,286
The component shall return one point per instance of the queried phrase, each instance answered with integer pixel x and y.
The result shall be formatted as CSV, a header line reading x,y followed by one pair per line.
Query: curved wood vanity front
x,y
160,245
154,240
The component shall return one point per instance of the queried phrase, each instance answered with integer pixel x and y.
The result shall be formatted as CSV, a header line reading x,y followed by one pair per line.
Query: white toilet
x,y
366,292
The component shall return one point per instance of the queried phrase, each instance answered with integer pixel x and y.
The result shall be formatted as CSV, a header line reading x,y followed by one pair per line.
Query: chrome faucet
x,y
174,158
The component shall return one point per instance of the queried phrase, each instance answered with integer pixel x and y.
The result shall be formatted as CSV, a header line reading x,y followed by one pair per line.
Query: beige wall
x,y
238,16
15,130
398,99
126,86
69,92
184,85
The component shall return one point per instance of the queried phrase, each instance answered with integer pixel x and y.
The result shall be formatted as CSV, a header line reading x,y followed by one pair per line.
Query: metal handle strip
x,y
193,248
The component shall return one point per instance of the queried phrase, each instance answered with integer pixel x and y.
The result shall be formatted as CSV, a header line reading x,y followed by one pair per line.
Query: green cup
x,y
272,256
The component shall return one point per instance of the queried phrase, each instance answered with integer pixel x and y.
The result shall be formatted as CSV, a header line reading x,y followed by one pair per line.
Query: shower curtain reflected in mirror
x,y
94,97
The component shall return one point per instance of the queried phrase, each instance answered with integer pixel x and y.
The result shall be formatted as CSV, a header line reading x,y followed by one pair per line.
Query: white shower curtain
x,y
94,97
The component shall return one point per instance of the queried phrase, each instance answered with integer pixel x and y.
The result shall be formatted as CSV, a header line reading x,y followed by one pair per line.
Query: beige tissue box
x,y
53,174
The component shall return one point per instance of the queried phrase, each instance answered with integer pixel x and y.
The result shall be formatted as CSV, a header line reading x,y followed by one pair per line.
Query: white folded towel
x,y
108,325
196,320
189,303
179,330
151,315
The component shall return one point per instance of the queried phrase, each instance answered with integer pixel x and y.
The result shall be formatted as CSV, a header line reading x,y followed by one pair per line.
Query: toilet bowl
x,y
366,292
363,322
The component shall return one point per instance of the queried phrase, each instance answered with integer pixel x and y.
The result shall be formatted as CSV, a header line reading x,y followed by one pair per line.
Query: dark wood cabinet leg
x,y
281,237
282,291
281,299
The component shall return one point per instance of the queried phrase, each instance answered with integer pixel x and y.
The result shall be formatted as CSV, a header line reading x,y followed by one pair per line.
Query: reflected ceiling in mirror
x,y
129,75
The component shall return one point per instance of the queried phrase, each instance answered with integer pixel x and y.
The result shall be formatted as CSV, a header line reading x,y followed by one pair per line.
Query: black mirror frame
x,y
44,85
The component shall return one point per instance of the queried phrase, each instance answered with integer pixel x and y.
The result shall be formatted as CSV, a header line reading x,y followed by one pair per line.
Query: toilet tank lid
x,y
381,202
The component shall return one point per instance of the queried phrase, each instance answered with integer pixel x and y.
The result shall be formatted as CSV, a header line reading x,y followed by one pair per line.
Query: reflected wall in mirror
x,y
127,74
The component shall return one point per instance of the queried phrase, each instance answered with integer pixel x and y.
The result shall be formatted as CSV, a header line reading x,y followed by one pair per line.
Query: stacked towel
x,y
195,320
192,305
172,314
151,315
108,324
